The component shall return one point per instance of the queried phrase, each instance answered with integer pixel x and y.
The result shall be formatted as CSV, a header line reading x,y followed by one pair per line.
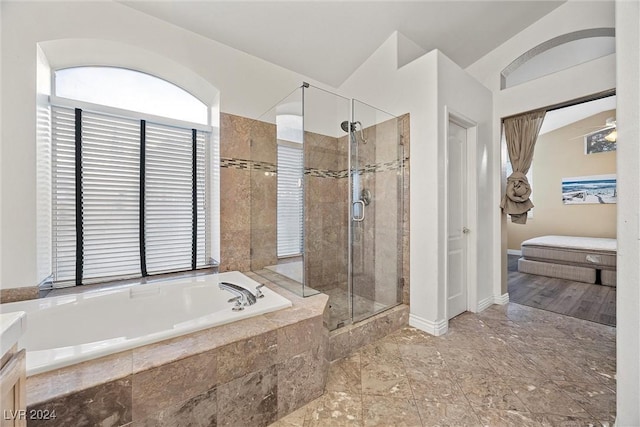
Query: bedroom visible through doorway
x,y
573,168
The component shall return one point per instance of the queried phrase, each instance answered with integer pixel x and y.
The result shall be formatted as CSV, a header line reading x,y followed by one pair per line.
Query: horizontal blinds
x,y
110,196
202,168
168,206
290,228
63,197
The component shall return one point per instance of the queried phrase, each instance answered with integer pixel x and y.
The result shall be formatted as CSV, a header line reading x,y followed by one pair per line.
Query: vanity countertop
x,y
12,326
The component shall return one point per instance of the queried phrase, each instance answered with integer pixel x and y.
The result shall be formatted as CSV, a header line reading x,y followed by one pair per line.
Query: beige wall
x,y
559,154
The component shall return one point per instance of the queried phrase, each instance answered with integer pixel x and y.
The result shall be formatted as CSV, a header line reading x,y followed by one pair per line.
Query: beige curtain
x,y
521,133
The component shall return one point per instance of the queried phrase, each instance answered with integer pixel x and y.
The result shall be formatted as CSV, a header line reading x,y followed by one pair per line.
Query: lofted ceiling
x,y
565,116
328,40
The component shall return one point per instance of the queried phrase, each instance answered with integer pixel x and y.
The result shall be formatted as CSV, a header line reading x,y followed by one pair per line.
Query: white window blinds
x,y
203,168
168,199
110,196
290,217
140,207
63,197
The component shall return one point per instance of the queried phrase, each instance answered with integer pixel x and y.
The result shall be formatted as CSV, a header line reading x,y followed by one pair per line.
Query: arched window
x,y
130,169
129,90
558,54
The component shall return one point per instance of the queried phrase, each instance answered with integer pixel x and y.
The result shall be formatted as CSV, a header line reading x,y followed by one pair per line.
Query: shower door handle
x,y
359,218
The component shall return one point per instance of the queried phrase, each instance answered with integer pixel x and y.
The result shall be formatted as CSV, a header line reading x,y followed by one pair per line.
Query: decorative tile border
x,y
325,173
242,164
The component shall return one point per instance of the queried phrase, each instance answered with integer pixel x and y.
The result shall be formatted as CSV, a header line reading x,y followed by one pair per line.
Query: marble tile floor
x,y
510,365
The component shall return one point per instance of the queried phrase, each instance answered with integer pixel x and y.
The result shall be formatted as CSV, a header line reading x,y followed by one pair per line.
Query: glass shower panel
x,y
276,167
326,164
326,197
376,219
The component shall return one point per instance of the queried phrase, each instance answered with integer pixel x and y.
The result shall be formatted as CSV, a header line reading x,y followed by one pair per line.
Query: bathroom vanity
x,y
12,370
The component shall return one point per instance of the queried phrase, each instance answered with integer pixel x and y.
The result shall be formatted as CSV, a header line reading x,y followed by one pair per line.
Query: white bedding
x,y
573,242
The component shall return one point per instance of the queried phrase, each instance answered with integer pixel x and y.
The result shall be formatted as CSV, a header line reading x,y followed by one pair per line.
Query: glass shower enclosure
x,y
327,202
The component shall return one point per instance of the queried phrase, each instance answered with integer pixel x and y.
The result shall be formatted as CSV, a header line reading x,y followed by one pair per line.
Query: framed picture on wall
x,y
595,189
601,141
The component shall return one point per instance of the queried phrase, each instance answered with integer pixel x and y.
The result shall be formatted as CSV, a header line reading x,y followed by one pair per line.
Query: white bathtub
x,y
68,329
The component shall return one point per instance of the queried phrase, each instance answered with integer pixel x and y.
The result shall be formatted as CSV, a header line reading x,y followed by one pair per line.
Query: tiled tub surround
x,y
18,294
249,372
73,328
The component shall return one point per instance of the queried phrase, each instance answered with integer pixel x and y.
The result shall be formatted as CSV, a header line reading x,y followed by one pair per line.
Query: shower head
x,y
364,141
351,127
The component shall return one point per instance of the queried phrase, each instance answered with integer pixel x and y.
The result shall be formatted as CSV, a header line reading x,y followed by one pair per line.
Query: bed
x,y
582,259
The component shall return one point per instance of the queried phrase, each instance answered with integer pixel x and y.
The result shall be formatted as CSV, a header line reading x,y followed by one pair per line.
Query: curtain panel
x,y
521,133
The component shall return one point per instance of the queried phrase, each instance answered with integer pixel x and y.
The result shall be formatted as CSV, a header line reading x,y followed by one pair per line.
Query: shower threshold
x,y
339,314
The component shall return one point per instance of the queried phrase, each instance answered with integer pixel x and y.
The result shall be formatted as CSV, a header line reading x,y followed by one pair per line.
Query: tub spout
x,y
244,296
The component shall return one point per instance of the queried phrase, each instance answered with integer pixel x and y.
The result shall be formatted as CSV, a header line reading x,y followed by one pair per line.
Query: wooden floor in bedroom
x,y
595,303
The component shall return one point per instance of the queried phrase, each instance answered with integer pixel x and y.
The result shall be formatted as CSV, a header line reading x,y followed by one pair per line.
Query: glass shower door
x,y
326,192
376,185
326,180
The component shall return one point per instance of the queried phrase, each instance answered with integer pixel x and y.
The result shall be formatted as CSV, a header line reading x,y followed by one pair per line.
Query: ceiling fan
x,y
609,125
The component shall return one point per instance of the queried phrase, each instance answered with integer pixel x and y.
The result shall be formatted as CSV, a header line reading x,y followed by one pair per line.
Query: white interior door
x,y
457,220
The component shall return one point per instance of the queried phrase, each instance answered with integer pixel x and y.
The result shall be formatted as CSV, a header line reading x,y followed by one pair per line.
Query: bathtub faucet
x,y
242,297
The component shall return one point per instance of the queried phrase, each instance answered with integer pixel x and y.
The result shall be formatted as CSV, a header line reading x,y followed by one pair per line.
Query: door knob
x,y
465,230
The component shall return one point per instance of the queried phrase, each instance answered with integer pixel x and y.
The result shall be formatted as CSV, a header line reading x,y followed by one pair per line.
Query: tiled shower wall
x,y
327,208
248,202
264,182
248,186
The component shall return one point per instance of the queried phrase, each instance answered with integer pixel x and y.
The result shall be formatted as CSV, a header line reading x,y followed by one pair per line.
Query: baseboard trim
x,y
485,303
514,252
434,328
501,299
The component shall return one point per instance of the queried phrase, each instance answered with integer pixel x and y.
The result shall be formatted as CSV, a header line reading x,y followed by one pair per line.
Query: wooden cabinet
x,y
13,385
13,371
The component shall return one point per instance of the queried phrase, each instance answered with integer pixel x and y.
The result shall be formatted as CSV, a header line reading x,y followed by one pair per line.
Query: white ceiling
x,y
565,116
328,40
